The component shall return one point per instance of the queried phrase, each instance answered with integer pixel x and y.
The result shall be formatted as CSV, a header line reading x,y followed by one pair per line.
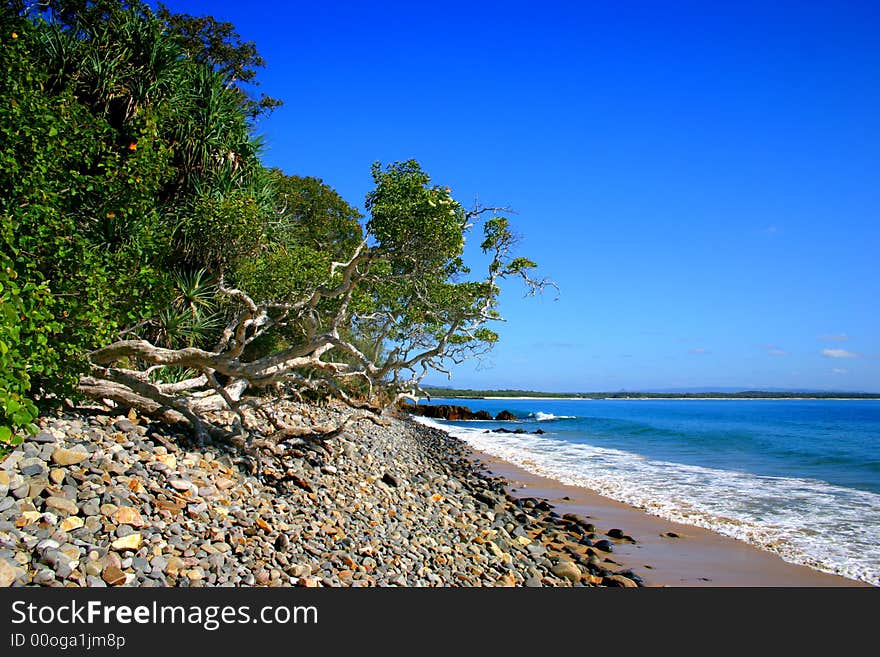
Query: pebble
x,y
129,516
9,572
71,523
113,576
129,542
619,580
568,570
62,504
120,501
63,456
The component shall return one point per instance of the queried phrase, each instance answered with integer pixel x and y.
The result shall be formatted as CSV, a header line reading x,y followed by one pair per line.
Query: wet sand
x,y
696,557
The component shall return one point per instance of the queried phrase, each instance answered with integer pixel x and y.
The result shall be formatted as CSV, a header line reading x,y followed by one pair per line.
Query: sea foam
x,y
805,521
549,417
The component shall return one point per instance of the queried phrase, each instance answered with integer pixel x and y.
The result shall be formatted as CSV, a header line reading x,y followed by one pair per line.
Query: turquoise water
x,y
797,477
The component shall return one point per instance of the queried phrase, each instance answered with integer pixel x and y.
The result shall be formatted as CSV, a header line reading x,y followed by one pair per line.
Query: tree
x,y
155,262
217,44
377,321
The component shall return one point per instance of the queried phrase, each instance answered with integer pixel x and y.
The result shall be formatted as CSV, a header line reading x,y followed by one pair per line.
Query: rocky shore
x,y
104,500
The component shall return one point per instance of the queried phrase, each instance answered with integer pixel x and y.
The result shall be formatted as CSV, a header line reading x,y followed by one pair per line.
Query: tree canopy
x,y
149,258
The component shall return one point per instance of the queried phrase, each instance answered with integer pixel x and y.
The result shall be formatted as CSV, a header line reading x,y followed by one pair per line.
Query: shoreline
x,y
116,500
694,557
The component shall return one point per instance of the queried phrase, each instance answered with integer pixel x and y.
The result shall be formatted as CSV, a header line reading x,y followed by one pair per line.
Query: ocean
x,y
797,477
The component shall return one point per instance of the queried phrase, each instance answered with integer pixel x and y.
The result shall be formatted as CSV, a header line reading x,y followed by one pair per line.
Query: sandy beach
x,y
692,557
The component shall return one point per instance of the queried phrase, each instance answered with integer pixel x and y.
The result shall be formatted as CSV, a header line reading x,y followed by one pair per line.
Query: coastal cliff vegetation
x,y
149,258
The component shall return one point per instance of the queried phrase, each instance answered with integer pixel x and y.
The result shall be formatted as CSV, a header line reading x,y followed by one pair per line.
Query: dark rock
x,y
672,535
282,542
42,437
486,499
505,416
483,415
605,546
31,470
389,479
575,518
629,574
442,411
615,533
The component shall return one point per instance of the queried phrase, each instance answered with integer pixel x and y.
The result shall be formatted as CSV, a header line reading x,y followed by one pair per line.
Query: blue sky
x,y
702,182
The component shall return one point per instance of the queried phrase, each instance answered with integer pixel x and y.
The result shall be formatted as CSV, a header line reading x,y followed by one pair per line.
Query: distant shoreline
x,y
755,395
674,398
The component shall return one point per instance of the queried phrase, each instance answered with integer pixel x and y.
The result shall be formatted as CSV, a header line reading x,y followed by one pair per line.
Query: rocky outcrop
x,y
454,412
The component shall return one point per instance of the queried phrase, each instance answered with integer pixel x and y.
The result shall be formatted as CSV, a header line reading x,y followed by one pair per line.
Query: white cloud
x,y
839,353
773,350
834,337
839,370
699,350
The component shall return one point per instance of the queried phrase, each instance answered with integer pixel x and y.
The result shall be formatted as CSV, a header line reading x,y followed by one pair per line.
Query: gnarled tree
x,y
157,263
366,331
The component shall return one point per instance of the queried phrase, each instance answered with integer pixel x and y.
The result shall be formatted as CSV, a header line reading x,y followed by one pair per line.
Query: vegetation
x,y
149,258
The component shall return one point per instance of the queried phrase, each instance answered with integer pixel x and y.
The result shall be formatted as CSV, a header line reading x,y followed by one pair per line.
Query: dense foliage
x,y
149,257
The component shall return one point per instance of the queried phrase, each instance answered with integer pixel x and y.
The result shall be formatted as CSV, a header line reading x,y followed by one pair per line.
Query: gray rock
x,y
42,437
123,530
44,577
125,426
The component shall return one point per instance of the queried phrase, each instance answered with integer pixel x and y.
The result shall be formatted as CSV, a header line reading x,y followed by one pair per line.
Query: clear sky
x,y
702,179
